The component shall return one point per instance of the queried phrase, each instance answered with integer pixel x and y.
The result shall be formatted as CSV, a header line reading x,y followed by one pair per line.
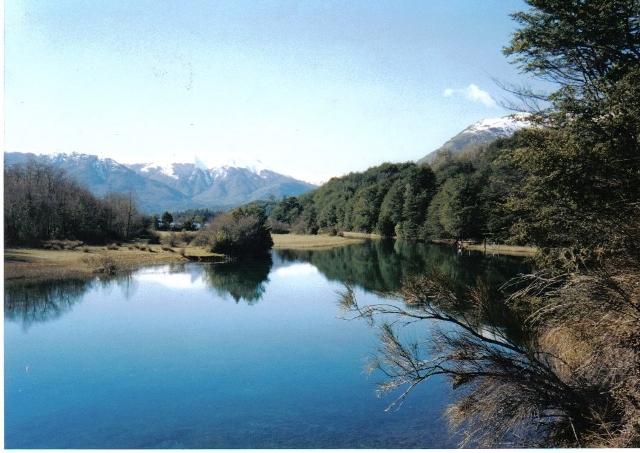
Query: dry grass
x,y
308,241
355,235
494,249
41,264
502,249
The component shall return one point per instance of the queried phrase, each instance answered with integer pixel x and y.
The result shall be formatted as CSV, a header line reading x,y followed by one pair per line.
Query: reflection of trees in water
x,y
510,390
242,280
33,302
42,301
384,265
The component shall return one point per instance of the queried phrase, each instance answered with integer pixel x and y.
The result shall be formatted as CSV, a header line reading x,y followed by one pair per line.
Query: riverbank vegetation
x,y
243,232
571,378
54,228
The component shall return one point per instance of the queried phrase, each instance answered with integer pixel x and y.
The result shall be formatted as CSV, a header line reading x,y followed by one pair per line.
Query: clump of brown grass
x,y
102,264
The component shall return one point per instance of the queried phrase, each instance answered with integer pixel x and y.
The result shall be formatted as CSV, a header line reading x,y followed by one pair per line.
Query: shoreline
x,y
35,264
312,241
493,249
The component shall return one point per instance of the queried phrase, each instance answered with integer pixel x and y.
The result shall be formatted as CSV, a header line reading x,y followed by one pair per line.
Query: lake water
x,y
221,356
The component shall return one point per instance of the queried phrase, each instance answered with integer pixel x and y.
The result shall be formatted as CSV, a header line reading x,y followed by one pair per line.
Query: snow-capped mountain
x,y
482,132
173,186
231,184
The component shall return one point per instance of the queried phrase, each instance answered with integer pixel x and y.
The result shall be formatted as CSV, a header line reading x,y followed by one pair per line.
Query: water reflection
x,y
243,281
384,265
42,301
379,266
168,368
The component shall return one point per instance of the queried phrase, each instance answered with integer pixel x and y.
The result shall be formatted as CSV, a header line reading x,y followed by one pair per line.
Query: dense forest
x,y
457,197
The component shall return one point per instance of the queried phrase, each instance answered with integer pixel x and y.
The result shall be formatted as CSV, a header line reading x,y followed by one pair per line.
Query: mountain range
x,y
179,186
173,186
480,133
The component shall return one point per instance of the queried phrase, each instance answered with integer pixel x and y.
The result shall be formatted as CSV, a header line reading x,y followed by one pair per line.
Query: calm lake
x,y
222,356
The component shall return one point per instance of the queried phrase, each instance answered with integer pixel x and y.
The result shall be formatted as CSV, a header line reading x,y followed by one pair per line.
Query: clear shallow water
x,y
220,356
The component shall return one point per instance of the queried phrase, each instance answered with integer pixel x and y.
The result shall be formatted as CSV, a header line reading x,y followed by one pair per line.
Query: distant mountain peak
x,y
479,133
163,185
166,168
503,125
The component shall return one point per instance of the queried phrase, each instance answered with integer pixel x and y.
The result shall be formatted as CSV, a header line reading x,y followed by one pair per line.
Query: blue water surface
x,y
251,355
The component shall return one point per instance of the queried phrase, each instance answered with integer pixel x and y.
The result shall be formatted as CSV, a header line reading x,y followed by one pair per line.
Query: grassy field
x,y
85,261
308,241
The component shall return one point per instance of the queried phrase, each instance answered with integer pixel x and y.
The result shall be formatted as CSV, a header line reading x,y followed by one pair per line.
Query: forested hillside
x,y
464,196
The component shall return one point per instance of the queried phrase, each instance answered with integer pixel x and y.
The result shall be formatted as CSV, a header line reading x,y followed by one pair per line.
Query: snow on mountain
x,y
165,168
220,171
482,132
162,185
504,126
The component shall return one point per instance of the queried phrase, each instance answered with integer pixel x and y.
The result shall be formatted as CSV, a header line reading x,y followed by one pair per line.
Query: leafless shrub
x,y
170,240
279,227
570,382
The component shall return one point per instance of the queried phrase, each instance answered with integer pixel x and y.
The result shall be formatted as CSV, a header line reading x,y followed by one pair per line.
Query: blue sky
x,y
313,89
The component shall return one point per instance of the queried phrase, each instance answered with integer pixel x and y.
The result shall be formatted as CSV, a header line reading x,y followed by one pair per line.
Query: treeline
x,y
189,220
457,197
41,203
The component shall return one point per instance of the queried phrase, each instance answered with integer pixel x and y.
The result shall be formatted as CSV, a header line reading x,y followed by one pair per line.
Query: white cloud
x,y
473,93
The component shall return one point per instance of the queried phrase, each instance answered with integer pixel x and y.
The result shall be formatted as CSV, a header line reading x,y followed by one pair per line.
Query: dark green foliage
x,y
581,191
419,188
243,281
189,218
287,211
584,46
240,233
387,199
464,197
166,218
